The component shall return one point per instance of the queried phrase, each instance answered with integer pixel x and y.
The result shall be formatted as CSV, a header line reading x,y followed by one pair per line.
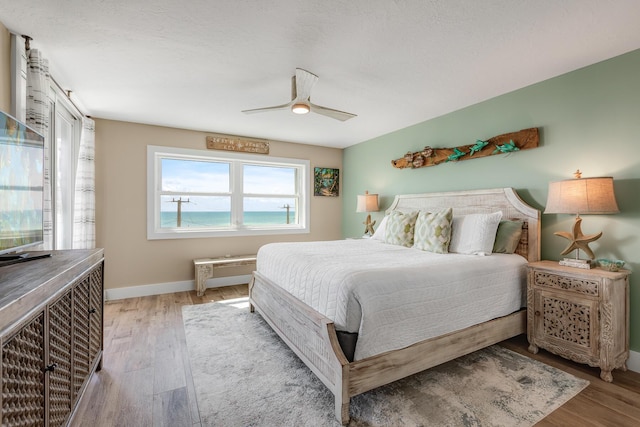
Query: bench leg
x,y
203,272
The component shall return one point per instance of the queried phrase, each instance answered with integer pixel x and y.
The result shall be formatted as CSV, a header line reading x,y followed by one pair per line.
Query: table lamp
x,y
367,203
578,196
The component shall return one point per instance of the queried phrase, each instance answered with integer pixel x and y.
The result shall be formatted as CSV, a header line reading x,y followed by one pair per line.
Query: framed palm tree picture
x,y
326,182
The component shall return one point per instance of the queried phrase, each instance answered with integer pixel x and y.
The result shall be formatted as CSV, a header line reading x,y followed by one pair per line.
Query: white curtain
x,y
39,117
84,212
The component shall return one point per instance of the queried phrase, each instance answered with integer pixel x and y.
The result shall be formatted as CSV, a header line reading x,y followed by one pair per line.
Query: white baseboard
x,y
634,361
170,287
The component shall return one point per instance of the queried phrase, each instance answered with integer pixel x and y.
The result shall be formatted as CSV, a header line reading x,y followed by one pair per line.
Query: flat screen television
x,y
21,186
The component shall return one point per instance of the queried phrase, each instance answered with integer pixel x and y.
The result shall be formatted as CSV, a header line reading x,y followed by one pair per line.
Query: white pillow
x,y
380,233
474,234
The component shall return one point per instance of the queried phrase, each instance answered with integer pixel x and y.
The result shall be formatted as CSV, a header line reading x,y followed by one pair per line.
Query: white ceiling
x,y
195,64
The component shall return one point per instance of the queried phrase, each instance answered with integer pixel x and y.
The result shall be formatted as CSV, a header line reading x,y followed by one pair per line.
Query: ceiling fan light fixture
x,y
300,108
301,84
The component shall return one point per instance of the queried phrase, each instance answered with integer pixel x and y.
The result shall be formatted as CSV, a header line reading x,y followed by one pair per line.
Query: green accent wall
x,y
589,119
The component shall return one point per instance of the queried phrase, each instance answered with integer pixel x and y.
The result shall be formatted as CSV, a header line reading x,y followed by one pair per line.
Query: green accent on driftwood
x,y
501,144
505,148
478,147
456,155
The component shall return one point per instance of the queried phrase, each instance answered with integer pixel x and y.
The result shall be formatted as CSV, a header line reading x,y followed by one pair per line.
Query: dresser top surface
x,y
24,286
555,267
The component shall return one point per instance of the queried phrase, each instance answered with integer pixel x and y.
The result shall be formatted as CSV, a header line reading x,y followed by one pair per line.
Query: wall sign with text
x,y
236,143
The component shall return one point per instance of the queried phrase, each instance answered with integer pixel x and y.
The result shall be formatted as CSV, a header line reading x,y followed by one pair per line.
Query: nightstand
x,y
579,314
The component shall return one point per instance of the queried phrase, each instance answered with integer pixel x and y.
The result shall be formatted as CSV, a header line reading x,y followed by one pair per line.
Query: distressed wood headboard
x,y
466,202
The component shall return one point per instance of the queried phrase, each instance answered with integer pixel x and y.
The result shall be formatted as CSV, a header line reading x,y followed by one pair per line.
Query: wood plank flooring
x,y
146,379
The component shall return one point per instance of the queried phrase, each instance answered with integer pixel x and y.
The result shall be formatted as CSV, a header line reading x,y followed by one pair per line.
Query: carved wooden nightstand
x,y
579,314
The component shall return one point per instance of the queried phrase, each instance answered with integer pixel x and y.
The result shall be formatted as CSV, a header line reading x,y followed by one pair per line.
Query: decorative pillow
x,y
400,228
475,233
433,231
380,233
508,236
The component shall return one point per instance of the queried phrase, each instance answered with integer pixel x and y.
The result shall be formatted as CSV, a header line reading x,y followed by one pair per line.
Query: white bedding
x,y
394,296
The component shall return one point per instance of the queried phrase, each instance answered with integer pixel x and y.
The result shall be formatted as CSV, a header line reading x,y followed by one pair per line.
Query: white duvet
x,y
394,296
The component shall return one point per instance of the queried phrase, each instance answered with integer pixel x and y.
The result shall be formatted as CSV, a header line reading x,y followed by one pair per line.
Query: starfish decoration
x,y
577,240
368,229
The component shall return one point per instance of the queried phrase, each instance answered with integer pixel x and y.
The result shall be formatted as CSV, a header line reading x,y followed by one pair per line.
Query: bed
x,y
317,330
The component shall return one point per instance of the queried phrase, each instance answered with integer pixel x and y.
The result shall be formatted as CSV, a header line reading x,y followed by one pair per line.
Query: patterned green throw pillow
x,y
433,231
400,228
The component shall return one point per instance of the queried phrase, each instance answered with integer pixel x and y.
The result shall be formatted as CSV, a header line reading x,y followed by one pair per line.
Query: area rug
x,y
244,375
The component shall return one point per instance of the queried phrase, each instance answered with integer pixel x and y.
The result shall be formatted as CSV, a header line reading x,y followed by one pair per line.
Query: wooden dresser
x,y
51,329
580,314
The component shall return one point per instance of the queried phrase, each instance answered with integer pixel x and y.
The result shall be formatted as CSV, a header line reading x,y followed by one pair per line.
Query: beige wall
x,y
121,207
5,69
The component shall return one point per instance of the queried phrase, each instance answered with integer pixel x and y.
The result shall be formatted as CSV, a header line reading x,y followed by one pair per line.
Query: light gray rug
x,y
244,375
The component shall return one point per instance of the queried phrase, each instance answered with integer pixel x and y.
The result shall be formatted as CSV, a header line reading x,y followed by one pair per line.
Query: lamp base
x,y
577,263
577,240
368,226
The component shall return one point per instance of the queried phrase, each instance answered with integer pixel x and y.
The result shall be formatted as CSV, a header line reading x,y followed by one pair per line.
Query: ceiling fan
x,y
301,85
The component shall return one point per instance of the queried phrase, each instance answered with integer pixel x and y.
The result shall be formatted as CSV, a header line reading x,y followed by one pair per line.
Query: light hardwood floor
x,y
146,379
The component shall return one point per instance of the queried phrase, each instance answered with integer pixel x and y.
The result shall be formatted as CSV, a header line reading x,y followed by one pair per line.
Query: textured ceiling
x,y
196,64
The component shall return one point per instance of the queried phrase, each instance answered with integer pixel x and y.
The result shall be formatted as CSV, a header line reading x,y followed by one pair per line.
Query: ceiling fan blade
x,y
301,84
264,109
304,81
329,112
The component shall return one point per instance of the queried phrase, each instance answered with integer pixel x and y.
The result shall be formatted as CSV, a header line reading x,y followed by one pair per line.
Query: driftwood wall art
x,y
501,144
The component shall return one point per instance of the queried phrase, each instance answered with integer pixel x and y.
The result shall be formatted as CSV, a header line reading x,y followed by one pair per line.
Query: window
x,y
195,193
66,139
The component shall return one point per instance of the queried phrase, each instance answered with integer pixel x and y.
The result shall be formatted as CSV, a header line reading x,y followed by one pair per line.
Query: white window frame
x,y
63,194
18,78
155,154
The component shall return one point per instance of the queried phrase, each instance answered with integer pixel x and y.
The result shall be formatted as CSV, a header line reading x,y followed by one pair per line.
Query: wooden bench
x,y
204,268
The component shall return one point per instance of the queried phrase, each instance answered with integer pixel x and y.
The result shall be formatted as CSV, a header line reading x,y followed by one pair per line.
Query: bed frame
x,y
312,336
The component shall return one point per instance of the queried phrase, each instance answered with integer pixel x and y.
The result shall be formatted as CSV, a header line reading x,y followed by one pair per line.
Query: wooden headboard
x,y
466,202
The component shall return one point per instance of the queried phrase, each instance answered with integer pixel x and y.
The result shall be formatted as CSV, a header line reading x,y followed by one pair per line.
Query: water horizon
x,y
201,219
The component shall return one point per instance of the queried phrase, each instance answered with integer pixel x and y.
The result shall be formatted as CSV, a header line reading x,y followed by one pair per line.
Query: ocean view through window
x,y
195,193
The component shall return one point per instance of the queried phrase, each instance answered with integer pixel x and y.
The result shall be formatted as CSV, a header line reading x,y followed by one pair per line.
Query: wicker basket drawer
x,y
574,284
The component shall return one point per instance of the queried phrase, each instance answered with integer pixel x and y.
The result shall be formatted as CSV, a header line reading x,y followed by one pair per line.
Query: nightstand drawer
x,y
555,281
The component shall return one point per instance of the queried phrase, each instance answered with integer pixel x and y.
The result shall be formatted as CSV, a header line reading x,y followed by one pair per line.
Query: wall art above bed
x,y
501,144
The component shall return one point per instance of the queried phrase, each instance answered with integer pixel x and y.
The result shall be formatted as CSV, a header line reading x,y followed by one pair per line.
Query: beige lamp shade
x,y
367,202
582,196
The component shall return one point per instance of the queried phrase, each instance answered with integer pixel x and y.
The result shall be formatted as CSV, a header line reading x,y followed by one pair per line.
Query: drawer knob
x,y
51,368
537,313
